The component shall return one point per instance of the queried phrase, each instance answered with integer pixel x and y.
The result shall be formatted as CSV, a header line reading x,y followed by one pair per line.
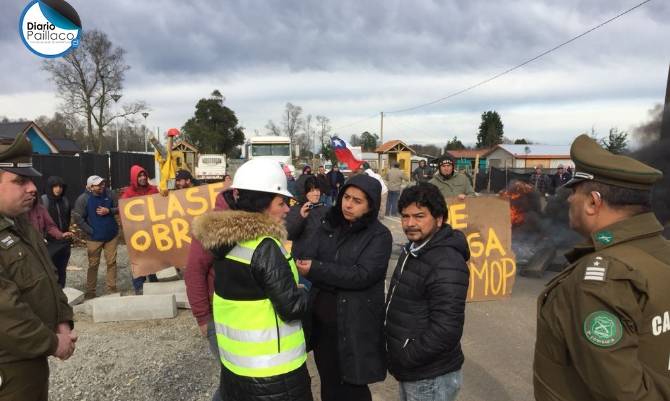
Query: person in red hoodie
x,y
139,186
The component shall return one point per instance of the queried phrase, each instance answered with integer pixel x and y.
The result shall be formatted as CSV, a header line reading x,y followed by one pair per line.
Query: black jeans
x,y
60,260
327,359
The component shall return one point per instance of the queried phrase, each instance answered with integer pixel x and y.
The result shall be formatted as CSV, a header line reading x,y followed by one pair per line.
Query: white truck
x,y
270,147
210,167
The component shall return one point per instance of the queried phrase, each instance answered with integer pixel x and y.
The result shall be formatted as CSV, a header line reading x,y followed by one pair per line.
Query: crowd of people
x,y
263,305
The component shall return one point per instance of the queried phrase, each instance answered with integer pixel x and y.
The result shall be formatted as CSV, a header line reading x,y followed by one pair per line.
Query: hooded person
x,y
60,210
139,186
300,183
346,264
257,303
139,183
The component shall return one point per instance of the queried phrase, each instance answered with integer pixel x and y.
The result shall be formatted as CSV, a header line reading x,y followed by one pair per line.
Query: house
x,y
186,155
395,151
466,158
41,142
528,156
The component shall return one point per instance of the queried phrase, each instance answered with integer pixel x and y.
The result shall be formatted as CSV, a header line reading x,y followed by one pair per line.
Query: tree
x,y
292,121
355,140
490,130
522,141
369,141
429,150
616,142
272,128
87,79
323,128
455,144
214,128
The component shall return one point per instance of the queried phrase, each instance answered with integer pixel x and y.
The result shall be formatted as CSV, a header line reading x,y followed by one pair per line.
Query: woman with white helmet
x,y
257,304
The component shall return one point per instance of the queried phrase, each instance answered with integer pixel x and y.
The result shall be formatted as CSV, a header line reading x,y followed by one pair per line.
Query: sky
x,y
350,60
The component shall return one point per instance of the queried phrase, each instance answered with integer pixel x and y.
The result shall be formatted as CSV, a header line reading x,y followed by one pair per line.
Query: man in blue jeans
x,y
425,305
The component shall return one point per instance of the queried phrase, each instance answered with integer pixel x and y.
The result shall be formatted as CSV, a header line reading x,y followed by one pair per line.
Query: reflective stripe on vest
x,y
253,340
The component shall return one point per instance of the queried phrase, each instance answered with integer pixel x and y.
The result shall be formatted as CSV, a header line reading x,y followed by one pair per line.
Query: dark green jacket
x,y
31,301
603,324
453,186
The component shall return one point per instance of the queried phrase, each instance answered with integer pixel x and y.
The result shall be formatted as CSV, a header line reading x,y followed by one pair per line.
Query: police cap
x,y
16,156
593,163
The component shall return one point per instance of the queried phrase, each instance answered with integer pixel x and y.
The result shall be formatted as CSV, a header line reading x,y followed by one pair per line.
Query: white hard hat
x,y
263,176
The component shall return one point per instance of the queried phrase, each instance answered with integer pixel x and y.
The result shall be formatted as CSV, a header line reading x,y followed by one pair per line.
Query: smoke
x,y
655,134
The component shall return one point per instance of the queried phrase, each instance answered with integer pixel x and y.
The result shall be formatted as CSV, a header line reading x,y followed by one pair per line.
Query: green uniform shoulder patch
x,y
596,269
603,329
605,237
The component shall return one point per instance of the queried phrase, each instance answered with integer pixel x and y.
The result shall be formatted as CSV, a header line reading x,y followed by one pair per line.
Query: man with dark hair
x,y
183,179
35,318
423,172
451,183
300,182
324,186
561,177
425,306
336,180
540,181
603,324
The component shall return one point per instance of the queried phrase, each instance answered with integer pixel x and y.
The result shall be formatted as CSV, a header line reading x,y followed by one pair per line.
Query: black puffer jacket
x,y
426,307
302,230
349,263
269,276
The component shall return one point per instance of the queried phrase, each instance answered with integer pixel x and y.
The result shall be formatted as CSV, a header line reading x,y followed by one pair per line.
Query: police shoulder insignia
x,y
603,329
596,269
7,241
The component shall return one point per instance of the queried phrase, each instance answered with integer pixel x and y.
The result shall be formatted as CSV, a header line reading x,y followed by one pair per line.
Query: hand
x,y
68,235
102,211
304,210
461,196
303,266
203,330
64,328
65,347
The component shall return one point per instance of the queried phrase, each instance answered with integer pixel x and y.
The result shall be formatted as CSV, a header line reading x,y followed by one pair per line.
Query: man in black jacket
x,y
425,305
55,201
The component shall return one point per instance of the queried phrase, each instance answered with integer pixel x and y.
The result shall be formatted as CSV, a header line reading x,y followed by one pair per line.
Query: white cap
x,y
263,176
94,180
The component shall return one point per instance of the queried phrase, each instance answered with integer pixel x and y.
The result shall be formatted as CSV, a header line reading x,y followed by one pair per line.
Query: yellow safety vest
x,y
253,340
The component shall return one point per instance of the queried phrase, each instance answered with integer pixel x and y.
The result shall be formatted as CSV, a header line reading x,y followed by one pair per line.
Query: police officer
x,y
35,318
603,324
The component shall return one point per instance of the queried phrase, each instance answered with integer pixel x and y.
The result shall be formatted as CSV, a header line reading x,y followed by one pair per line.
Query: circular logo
x,y
50,28
603,329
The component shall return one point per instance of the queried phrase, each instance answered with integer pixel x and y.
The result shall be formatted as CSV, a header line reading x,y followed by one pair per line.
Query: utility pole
x,y
116,98
380,157
144,128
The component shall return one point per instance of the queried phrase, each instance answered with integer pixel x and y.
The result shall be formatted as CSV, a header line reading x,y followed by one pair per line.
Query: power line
x,y
356,122
478,84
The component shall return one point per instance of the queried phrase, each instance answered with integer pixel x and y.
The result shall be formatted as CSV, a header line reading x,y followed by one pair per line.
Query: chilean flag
x,y
344,153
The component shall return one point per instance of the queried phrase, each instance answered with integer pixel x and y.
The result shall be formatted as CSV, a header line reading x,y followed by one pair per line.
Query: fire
x,y
516,193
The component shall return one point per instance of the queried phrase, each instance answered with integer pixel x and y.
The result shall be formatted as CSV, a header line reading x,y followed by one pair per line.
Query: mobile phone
x,y
313,205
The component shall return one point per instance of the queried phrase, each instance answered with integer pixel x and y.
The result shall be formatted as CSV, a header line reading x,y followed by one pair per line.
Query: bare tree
x,y
292,121
323,128
272,128
87,79
309,133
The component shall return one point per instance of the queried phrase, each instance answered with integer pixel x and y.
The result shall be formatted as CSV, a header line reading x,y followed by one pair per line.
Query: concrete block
x,y
169,274
136,307
165,287
182,300
74,296
87,306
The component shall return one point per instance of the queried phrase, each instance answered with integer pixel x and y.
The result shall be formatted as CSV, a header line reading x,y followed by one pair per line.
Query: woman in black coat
x,y
346,264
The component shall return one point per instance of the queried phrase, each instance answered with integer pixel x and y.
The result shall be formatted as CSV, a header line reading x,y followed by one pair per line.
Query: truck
x,y
270,147
210,167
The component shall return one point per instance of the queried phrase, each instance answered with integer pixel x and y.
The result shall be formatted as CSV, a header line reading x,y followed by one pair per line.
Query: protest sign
x,y
157,228
485,221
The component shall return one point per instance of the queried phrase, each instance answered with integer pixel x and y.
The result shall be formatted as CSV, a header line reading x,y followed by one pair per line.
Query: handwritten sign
x,y
157,228
485,221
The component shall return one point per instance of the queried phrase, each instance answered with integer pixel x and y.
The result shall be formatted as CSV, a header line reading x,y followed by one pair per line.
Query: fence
x,y
114,168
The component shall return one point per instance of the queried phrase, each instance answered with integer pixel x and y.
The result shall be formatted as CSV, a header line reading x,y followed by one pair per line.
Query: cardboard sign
x,y
157,228
486,223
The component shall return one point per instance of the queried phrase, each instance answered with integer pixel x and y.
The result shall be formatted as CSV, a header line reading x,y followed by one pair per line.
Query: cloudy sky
x,y
349,60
